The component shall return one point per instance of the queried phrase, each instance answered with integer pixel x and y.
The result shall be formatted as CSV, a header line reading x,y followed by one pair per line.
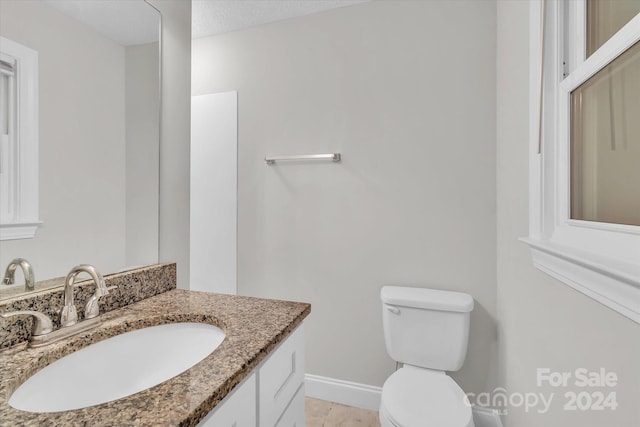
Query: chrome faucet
x,y
43,333
27,270
68,313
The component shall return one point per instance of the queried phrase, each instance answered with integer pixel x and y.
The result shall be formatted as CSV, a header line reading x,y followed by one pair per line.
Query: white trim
x,y
22,230
600,260
345,392
612,283
610,50
575,35
25,218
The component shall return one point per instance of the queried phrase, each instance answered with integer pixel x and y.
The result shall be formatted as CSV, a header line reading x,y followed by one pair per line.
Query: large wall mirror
x,y
99,101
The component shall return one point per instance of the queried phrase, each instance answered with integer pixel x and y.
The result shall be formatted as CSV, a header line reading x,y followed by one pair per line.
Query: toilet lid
x,y
420,398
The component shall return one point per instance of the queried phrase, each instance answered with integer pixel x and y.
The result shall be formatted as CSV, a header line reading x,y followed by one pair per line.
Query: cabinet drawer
x,y
294,414
238,409
280,377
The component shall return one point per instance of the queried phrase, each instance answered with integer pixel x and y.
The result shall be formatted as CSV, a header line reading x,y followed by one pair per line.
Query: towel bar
x,y
336,157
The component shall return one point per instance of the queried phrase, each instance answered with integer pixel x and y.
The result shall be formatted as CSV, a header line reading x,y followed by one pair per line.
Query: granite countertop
x,y
253,328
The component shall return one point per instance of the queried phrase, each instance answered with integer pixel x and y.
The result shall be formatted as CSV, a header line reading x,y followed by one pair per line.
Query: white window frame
x,y
601,260
23,161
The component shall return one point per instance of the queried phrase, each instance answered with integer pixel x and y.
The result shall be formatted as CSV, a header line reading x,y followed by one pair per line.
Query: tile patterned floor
x,y
320,413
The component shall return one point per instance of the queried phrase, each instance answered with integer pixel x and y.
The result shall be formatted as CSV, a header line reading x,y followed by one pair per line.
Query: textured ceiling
x,y
127,22
221,16
131,22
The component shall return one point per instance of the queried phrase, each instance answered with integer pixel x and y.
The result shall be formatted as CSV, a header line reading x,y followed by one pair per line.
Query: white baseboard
x,y
368,397
345,392
486,417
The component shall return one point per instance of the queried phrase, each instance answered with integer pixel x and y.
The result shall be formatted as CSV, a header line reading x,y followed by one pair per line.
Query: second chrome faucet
x,y
27,270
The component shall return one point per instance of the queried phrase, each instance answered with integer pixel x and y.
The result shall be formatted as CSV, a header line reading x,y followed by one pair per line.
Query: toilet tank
x,y
428,328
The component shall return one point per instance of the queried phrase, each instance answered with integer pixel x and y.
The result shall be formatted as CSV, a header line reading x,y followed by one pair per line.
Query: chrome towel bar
x,y
336,157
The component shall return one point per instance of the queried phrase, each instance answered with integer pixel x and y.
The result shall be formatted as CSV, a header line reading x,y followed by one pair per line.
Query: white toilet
x,y
427,331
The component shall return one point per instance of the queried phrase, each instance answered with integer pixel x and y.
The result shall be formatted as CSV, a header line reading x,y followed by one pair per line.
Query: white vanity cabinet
x,y
234,410
272,395
294,414
279,378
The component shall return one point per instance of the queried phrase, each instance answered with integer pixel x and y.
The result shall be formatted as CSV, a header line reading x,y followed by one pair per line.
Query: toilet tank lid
x,y
432,299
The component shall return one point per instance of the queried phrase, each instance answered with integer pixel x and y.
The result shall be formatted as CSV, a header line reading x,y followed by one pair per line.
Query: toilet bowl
x,y
428,331
422,398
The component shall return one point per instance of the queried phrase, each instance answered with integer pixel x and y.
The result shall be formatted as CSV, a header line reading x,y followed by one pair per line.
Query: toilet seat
x,y
414,397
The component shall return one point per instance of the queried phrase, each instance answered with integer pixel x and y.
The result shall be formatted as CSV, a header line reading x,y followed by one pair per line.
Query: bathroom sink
x,y
117,367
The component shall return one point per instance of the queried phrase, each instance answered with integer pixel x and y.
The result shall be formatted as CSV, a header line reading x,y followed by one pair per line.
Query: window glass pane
x,y
605,18
605,143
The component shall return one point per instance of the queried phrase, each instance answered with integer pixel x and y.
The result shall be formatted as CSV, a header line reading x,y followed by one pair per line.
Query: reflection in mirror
x,y
98,139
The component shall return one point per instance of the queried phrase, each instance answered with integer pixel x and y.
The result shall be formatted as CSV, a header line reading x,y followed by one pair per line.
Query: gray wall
x,y
544,323
175,135
82,142
412,202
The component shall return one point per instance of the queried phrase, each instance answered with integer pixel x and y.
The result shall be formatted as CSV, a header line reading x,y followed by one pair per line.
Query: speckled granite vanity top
x,y
253,328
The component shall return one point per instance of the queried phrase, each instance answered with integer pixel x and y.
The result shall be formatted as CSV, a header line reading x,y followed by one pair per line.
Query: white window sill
x,y
19,230
609,281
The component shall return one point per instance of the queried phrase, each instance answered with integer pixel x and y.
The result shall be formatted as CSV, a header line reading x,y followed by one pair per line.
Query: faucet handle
x,y
92,309
68,315
41,323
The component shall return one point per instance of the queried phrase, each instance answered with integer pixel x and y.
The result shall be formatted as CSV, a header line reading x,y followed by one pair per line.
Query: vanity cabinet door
x,y
294,414
280,378
238,409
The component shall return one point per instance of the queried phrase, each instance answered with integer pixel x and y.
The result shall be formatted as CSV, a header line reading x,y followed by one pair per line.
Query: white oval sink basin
x,y
117,367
